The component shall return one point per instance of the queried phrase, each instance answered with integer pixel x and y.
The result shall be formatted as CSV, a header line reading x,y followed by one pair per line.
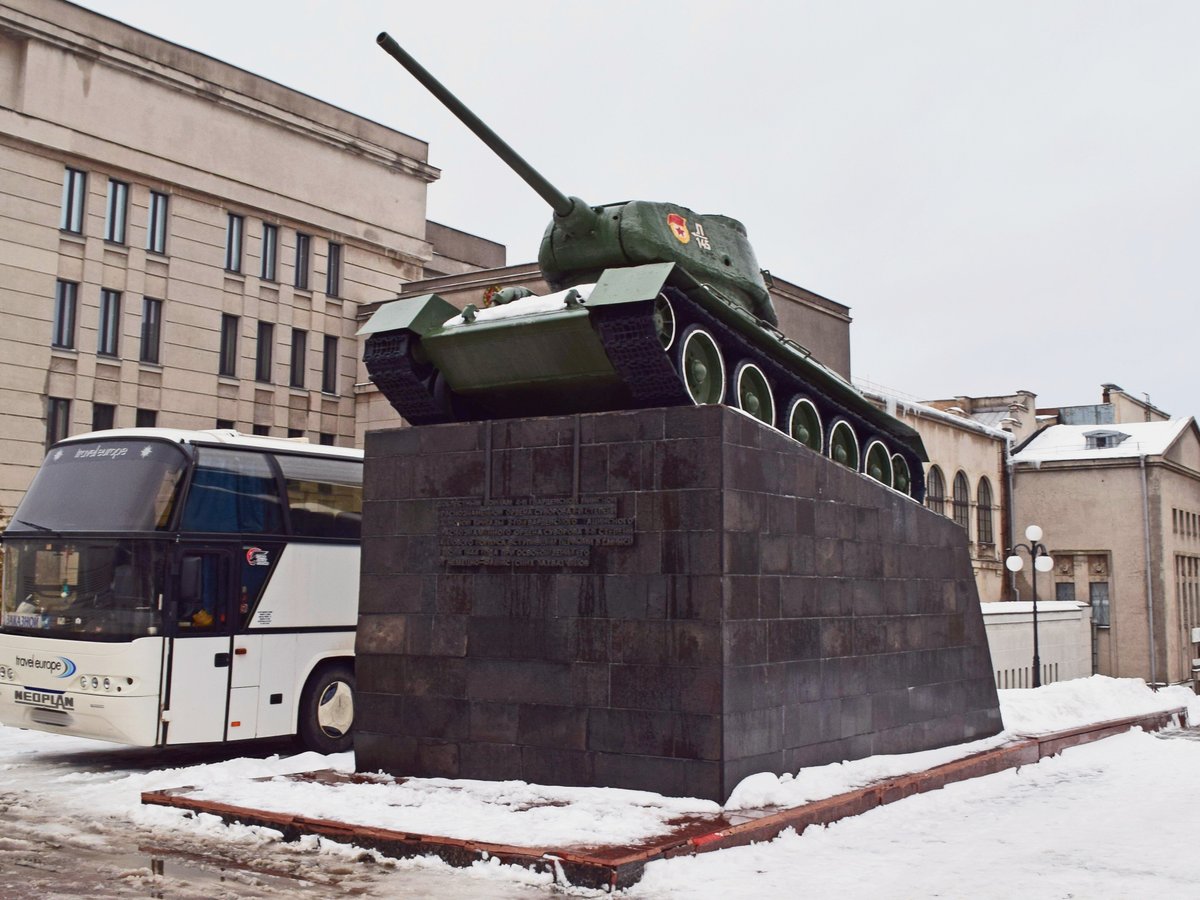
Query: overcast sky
x,y
1006,194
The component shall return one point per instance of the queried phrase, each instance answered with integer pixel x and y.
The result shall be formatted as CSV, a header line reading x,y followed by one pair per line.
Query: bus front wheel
x,y
327,710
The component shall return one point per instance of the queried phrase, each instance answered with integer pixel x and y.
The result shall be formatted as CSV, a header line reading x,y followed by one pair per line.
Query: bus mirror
x,y
189,580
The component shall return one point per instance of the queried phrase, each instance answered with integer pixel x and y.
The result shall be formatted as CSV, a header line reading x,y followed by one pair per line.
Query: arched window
x,y
962,501
983,512
935,491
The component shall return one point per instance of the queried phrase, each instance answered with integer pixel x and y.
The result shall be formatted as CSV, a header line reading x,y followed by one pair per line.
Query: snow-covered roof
x,y
1059,442
897,406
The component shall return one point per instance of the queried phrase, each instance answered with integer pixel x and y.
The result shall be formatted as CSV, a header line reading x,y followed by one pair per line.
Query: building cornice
x,y
224,94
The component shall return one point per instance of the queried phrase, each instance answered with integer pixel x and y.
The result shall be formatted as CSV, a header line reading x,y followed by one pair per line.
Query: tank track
x,y
633,347
408,386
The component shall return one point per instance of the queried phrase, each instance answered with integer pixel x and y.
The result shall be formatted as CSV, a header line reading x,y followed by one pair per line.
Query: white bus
x,y
167,587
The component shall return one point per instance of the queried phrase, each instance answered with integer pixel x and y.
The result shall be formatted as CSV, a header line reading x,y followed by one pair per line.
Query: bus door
x,y
198,678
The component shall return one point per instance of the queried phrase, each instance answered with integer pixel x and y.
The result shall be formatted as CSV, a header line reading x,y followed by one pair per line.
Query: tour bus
x,y
167,587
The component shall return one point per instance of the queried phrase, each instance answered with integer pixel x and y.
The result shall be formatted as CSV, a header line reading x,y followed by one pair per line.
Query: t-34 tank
x,y
654,305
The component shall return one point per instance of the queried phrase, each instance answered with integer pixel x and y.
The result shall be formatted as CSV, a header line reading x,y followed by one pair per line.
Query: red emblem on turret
x,y
678,226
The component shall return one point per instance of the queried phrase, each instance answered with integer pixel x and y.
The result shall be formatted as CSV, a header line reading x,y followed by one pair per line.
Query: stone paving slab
x,y
615,867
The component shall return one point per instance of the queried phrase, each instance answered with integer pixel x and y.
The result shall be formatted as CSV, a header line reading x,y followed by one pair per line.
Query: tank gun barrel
x,y
559,202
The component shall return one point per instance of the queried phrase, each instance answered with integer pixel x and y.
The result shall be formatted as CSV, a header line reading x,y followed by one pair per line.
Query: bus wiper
x,y
37,526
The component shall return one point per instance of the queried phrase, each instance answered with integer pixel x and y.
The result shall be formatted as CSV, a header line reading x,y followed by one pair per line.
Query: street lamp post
x,y
1042,562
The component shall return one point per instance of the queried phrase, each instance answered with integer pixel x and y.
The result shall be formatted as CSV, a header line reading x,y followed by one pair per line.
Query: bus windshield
x,y
98,590
118,485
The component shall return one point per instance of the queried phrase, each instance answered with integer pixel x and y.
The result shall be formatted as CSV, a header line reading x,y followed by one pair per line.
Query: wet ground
x,y
52,847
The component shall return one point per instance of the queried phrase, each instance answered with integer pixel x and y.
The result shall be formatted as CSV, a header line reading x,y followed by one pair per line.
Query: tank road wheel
x,y
327,710
901,479
702,367
843,445
664,321
804,424
753,393
879,463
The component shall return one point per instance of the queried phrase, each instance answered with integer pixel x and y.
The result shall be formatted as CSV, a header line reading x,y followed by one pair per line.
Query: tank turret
x,y
653,305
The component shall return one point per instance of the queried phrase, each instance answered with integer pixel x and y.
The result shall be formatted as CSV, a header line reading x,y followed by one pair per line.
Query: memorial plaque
x,y
525,532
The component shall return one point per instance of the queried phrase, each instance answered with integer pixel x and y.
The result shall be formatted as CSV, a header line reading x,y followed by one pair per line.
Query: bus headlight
x,y
95,682
108,684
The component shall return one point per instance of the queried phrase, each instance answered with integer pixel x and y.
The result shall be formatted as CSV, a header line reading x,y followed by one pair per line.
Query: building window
x,y
329,365
299,351
116,212
74,194
225,424
935,491
151,329
303,259
325,439
233,242
1104,439
261,430
58,420
1098,596
270,251
156,227
104,415
229,344
962,501
1064,591
262,357
66,297
107,342
983,512
146,418
333,270
295,432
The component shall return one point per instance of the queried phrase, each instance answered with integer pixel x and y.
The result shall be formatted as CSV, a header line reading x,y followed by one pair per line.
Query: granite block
x,y
773,611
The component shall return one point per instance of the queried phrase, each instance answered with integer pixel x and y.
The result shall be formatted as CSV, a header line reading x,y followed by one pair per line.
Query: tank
x,y
652,305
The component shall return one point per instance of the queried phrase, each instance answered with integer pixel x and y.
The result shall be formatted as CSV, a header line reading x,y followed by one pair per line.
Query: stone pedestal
x,y
666,599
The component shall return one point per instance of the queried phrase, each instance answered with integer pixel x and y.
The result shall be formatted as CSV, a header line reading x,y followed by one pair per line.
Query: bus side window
x,y
232,491
324,496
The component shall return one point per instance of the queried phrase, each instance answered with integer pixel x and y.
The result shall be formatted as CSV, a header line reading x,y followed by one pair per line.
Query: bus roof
x,y
218,436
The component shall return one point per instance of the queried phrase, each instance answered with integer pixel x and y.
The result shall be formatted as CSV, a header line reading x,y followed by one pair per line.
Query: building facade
x,y
1119,506
185,243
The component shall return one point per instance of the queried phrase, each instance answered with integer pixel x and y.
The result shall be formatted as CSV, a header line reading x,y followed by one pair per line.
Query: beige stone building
x,y
1119,505
184,243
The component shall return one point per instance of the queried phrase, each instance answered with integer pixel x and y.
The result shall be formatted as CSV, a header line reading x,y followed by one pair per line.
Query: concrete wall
x,y
1064,642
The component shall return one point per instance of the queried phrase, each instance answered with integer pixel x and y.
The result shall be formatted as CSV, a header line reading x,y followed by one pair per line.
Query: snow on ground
x,y
1111,819
1107,819
501,812
1069,704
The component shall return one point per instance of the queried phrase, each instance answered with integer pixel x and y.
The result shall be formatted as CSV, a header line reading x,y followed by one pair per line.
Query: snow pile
x,y
766,790
1054,707
526,306
1085,701
503,812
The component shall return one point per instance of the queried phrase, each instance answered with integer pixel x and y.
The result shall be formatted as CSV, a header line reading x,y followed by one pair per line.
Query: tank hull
x,y
641,337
